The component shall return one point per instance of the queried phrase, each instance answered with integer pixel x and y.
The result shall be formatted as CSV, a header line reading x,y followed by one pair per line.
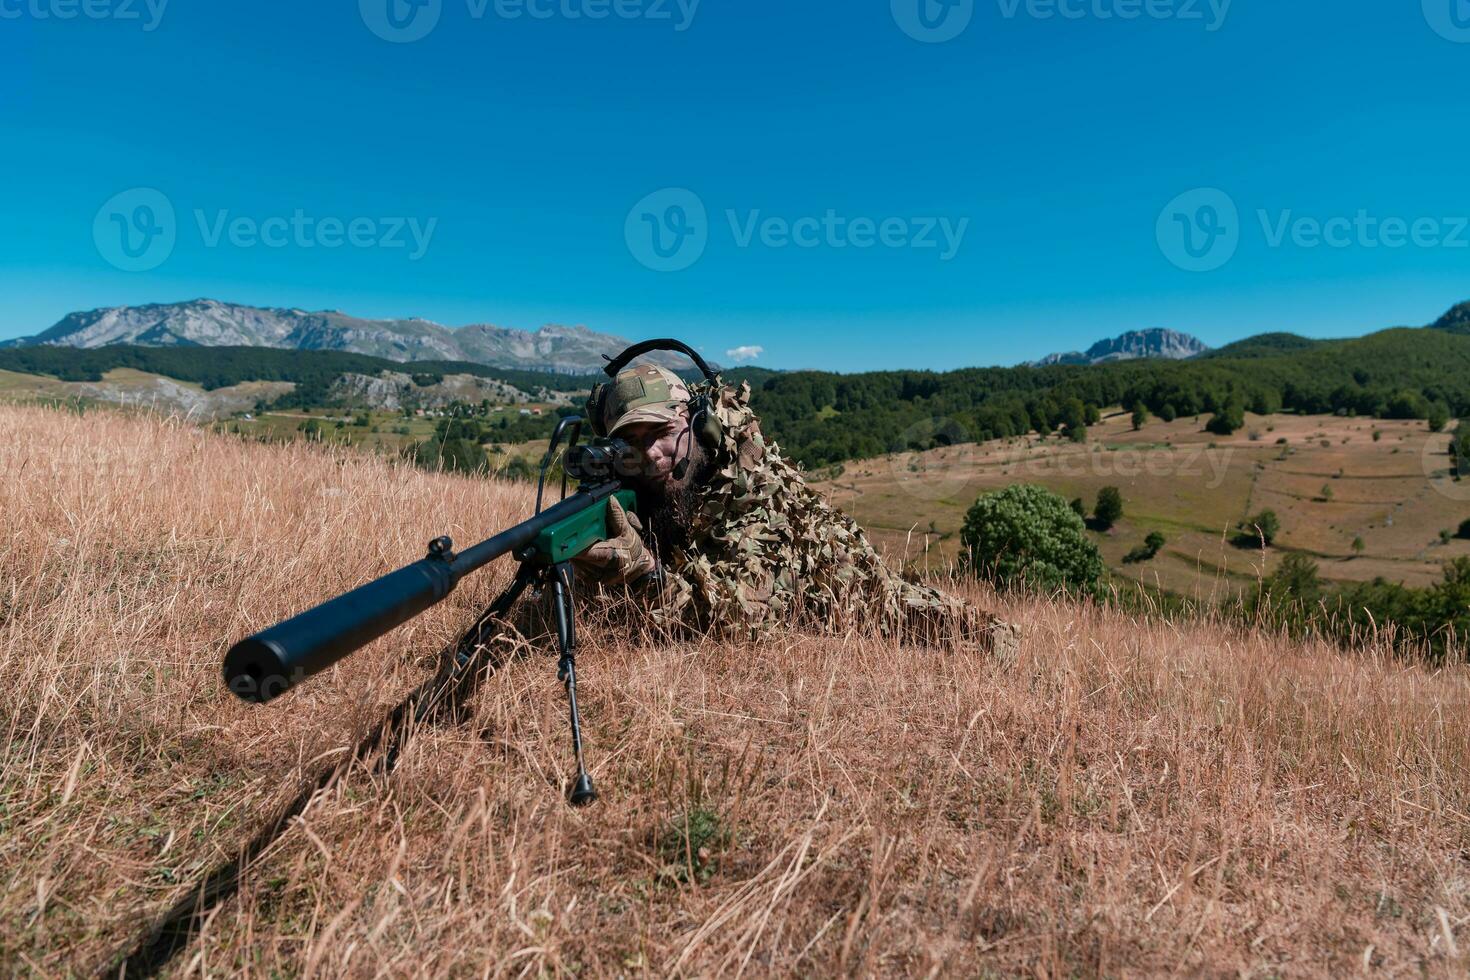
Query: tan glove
x,y
622,559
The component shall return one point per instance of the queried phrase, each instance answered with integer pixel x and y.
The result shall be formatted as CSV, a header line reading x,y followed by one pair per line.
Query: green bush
x,y
1109,506
1229,418
1027,536
1147,551
1261,527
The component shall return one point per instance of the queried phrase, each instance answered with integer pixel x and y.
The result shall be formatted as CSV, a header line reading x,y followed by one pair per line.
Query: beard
x,y
669,511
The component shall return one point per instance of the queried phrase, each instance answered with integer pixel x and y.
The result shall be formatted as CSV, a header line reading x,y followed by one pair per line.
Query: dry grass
x,y
1128,798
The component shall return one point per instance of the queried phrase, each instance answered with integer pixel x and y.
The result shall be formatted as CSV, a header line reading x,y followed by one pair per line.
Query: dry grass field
x,y
1129,797
1394,492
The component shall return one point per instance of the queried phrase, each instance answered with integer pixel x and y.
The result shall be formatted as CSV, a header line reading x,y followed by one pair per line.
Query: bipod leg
x,y
458,669
562,608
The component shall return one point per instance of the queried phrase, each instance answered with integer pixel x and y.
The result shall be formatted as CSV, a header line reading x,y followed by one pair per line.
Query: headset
x,y
703,422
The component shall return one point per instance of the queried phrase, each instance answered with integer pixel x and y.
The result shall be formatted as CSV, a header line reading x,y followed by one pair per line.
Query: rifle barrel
x,y
262,667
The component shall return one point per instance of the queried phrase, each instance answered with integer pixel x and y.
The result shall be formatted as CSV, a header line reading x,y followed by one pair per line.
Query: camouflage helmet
x,y
643,394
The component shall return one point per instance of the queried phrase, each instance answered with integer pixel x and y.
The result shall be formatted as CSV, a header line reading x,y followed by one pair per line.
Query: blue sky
x,y
874,192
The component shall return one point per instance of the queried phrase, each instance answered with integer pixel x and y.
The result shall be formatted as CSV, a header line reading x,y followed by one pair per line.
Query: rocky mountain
x,y
210,323
1133,345
1457,320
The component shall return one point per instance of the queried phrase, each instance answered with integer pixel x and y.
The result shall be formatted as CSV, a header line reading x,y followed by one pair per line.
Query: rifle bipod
x,y
463,664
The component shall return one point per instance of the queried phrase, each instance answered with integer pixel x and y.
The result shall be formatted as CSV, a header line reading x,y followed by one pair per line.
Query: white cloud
x,y
747,353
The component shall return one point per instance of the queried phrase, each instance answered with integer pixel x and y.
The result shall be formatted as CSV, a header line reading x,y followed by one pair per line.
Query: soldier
x,y
737,543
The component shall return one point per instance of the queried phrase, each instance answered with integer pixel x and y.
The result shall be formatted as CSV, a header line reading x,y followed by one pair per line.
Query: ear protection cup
x,y
706,426
594,408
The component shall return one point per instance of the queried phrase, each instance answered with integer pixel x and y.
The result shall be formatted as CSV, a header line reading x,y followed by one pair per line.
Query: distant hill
x,y
211,323
1133,345
1265,345
1457,320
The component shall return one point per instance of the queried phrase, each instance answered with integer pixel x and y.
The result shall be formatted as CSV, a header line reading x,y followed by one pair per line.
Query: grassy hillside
x,y
1333,482
1128,797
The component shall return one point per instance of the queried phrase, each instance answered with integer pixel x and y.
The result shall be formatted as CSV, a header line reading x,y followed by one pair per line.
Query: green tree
x,y
1291,595
1460,449
1439,416
1109,507
1261,527
1359,546
1027,536
1140,415
1168,413
1230,417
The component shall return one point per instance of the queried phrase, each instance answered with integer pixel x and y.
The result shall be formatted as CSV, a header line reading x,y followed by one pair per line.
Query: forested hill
x,y
822,418
220,367
825,418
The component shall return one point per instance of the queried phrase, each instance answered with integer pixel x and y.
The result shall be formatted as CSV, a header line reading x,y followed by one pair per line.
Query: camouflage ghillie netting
x,y
766,550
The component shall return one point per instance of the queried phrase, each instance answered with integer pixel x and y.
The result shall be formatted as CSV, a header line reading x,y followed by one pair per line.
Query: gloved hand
x,y
622,559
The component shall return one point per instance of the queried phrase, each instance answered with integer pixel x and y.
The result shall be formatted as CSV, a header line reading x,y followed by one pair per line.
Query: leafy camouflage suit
x,y
766,550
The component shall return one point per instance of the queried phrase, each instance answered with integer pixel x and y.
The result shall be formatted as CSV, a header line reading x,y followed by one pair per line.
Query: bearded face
x,y
673,467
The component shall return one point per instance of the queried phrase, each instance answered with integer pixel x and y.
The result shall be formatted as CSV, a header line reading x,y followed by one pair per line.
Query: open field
x,y
1394,492
1128,797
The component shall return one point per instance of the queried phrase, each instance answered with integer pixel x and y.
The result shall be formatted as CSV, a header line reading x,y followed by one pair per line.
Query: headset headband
x,y
616,364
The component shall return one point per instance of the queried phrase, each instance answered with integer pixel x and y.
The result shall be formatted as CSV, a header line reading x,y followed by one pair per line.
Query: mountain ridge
x,y
1154,342
213,323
